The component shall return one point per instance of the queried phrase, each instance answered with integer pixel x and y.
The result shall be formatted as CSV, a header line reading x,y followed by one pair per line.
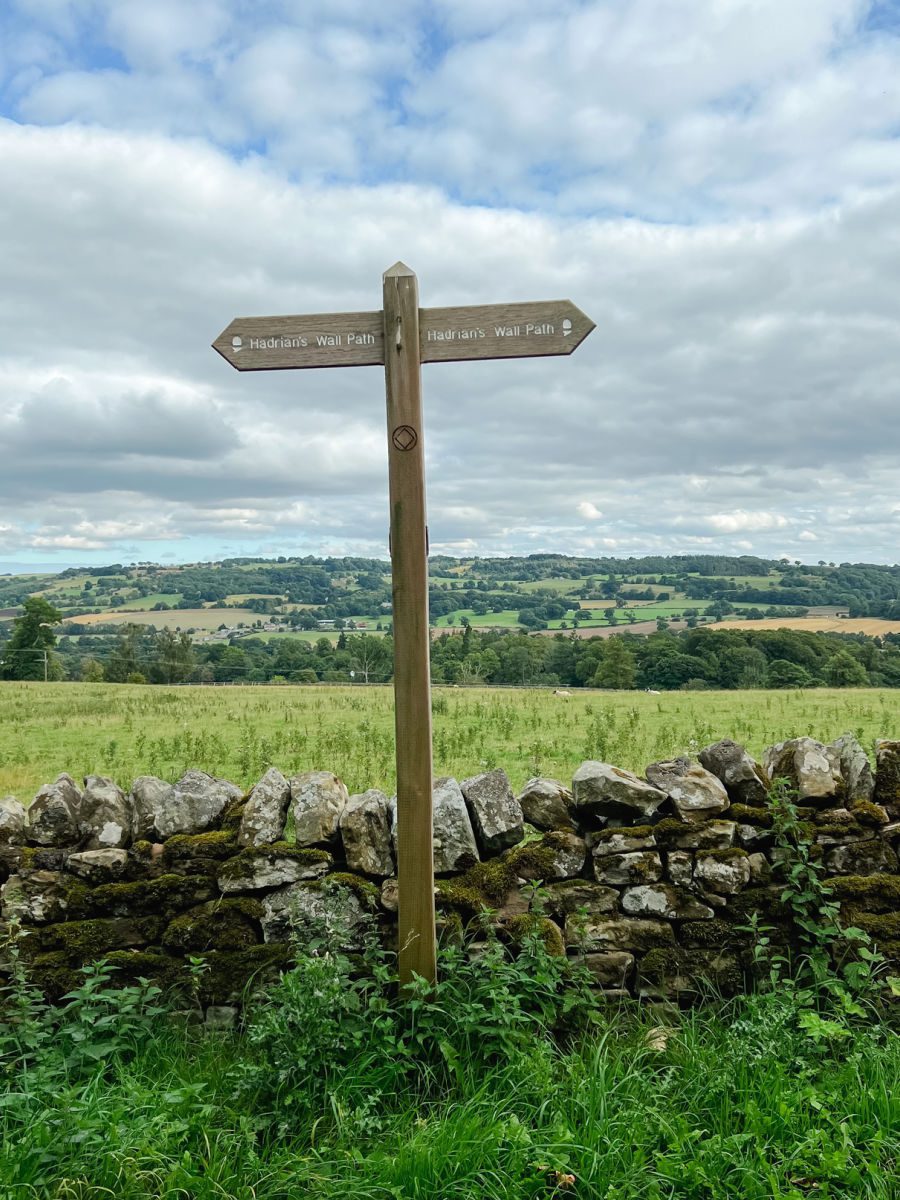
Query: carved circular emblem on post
x,y
404,437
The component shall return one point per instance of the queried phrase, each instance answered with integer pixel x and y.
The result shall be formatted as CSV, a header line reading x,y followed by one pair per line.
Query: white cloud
x,y
745,522
589,511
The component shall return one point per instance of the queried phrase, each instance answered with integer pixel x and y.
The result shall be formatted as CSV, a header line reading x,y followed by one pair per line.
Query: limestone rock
x,y
454,840
548,804
664,900
838,826
390,895
813,769
318,799
623,840
723,872
153,805
192,805
887,775
98,866
760,871
496,813
620,869
572,895
42,897
558,855
106,816
680,867
696,793
742,776
611,970
316,910
618,933
260,867
265,813
706,835
12,822
366,832
604,790
55,814
872,857
856,770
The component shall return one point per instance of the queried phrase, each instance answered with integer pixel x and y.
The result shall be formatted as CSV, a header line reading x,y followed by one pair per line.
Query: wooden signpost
x,y
401,337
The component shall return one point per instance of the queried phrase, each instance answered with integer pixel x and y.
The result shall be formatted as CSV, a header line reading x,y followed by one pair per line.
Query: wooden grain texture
x,y
531,329
412,676
354,339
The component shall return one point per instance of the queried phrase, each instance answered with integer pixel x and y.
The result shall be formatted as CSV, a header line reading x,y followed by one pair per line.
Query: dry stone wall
x,y
650,881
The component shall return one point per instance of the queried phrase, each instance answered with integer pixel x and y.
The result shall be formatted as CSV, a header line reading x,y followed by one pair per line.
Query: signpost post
x,y
401,337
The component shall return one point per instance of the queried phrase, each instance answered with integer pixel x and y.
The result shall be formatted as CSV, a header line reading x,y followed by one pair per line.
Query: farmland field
x,y
872,626
125,731
174,618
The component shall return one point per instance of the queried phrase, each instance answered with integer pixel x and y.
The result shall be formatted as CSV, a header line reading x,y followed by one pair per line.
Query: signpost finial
x,y
397,270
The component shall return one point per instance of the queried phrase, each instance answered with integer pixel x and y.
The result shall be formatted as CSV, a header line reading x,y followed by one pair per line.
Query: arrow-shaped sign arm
x,y
530,329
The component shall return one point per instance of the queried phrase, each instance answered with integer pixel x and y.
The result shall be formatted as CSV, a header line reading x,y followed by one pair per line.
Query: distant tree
x,y
91,671
32,639
616,668
845,671
785,674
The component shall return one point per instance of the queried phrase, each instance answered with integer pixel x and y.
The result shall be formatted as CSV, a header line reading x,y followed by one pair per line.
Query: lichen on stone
x,y
242,864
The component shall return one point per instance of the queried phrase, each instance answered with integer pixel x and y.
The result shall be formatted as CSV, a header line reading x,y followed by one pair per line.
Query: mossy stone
x,y
764,901
162,969
530,925
166,896
82,941
746,814
366,893
198,853
242,866
229,974
873,893
233,814
484,885
709,935
229,924
53,974
729,855
628,831
681,971
867,813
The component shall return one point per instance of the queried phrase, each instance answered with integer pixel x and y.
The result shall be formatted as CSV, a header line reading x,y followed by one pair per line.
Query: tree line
x,y
694,659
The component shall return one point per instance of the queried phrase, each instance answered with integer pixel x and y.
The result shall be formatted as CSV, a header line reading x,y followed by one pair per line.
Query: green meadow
x,y
237,732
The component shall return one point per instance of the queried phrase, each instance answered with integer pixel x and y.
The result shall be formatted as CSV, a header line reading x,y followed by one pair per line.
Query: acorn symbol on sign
x,y
567,327
236,344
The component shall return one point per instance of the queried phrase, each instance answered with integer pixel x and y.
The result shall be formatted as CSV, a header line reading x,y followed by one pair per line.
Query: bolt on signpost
x,y
400,338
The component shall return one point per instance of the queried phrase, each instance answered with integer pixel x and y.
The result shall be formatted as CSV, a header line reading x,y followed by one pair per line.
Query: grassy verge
x,y
337,1090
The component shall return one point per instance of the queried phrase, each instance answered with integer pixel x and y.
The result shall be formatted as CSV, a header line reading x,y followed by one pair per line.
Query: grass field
x,y
237,732
175,618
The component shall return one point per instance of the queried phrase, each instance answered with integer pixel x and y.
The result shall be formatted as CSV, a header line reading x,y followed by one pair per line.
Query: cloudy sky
x,y
715,182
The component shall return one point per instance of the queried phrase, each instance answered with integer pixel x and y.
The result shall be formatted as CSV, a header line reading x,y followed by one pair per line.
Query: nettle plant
x,y
838,968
